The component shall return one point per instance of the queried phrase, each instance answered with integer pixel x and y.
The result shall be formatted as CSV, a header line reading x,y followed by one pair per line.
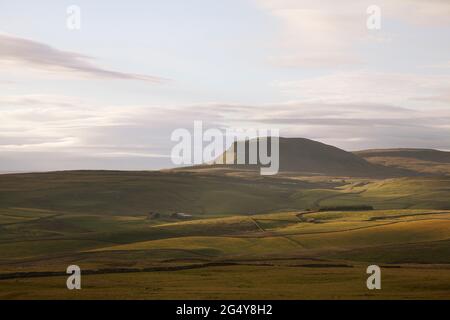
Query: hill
x,y
142,192
420,160
306,156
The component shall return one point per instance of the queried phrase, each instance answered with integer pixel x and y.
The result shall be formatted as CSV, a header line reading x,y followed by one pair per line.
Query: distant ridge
x,y
419,154
428,161
311,157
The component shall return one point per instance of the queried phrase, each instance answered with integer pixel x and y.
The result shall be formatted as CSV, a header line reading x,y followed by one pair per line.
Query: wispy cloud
x,y
44,57
331,33
374,87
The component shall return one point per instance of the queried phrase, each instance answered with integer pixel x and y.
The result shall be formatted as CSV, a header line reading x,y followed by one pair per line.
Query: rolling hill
x,y
311,157
427,161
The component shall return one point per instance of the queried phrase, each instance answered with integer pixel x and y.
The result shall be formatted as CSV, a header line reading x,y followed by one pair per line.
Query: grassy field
x,y
241,282
248,237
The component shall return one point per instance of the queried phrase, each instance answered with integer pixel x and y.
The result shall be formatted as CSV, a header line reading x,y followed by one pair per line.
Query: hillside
x,y
292,254
141,192
306,156
243,227
206,194
420,160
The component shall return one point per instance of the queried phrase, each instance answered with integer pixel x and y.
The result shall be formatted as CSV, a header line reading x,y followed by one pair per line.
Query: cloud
x,y
46,132
332,33
348,126
44,57
442,65
418,12
404,89
313,34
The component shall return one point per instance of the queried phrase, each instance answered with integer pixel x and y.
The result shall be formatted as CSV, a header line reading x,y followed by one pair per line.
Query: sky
x,y
109,94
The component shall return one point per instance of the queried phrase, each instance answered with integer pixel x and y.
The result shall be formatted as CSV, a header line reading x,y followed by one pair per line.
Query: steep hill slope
x,y
311,157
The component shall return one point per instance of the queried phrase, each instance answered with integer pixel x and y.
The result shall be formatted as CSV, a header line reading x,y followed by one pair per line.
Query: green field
x,y
247,236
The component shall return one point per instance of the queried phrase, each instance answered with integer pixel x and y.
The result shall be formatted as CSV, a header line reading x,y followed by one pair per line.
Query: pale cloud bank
x,y
372,87
330,33
58,135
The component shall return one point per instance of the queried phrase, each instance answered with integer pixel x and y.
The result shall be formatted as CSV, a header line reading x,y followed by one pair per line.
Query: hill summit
x,y
311,157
